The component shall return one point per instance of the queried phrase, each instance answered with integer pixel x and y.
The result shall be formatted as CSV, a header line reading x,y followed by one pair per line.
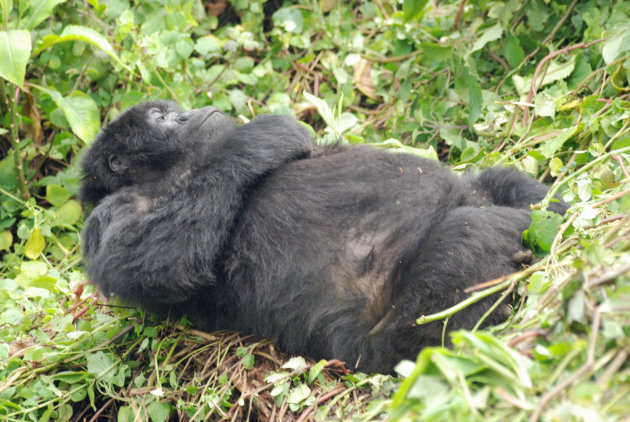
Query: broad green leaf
x,y
436,52
555,72
37,11
208,44
56,195
551,146
322,108
295,363
316,370
80,33
495,354
158,411
299,393
413,9
490,34
616,43
542,230
100,364
68,214
6,240
290,19
15,50
35,244
248,361
537,14
80,110
512,50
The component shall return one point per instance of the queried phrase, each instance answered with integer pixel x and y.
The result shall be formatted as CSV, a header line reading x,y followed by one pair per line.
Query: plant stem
x,y
11,105
475,297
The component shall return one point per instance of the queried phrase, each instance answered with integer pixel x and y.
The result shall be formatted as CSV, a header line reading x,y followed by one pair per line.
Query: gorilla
x,y
332,252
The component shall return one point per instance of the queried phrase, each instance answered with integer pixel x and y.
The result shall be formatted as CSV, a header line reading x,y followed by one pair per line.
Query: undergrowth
x,y
541,86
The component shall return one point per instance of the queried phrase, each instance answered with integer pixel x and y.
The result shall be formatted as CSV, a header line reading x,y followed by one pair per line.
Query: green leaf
x,y
80,110
80,33
295,363
57,195
299,393
490,34
322,108
37,11
68,214
208,44
537,14
290,19
158,411
555,72
551,146
413,9
512,50
35,244
125,414
15,50
436,52
248,361
101,365
316,370
616,43
542,230
6,240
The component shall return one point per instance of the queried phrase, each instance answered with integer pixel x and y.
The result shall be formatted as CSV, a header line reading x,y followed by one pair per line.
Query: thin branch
x,y
534,85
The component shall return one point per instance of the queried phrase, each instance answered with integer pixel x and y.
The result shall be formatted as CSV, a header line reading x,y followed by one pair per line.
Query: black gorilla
x,y
332,252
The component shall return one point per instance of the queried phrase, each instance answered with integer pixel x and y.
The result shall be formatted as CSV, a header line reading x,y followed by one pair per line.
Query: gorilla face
x,y
146,144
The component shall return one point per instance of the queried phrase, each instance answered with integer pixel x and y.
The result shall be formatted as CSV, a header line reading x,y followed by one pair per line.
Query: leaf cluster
x,y
538,85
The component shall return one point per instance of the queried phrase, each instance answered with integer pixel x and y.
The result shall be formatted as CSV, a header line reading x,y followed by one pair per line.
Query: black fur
x,y
333,253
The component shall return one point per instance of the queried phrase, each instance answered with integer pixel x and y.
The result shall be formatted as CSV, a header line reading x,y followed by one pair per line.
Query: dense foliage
x,y
538,85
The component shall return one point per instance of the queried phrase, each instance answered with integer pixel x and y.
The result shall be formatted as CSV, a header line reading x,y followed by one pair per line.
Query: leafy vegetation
x,y
538,85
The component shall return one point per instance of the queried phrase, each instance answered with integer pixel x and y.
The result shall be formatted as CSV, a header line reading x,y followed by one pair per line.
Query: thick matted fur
x,y
333,252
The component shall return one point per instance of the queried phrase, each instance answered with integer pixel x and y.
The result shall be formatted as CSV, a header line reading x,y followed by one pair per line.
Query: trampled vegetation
x,y
538,85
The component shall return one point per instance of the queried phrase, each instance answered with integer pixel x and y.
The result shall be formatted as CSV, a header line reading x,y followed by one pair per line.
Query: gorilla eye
x,y
160,118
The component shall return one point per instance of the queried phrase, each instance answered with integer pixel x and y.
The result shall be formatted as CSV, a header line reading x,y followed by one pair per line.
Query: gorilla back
x,y
333,253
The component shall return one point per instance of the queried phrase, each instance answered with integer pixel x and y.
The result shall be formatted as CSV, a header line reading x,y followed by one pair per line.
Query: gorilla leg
x,y
469,246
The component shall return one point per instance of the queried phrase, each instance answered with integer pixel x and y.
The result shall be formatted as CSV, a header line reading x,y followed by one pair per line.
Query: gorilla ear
x,y
116,164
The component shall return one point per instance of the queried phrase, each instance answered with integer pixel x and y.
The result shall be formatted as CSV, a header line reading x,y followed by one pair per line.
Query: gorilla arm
x,y
165,254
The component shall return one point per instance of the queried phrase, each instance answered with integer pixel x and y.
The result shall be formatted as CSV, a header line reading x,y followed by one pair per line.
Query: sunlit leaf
x,y
542,230
617,42
490,34
299,393
15,50
37,11
412,9
158,411
35,244
551,146
56,195
6,240
80,110
68,214
80,33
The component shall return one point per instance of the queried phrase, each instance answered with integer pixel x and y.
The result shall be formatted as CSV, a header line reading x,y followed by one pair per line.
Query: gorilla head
x,y
147,142
334,253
